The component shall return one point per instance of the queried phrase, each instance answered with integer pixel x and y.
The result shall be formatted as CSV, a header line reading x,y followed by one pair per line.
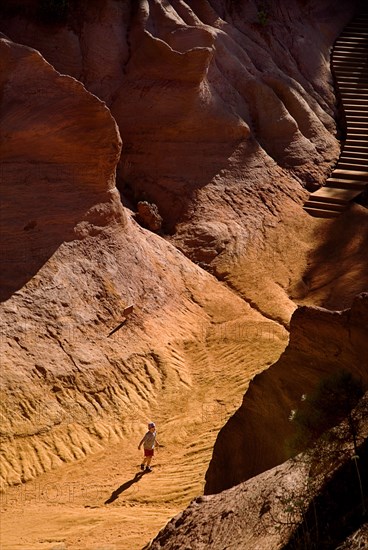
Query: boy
x,y
148,441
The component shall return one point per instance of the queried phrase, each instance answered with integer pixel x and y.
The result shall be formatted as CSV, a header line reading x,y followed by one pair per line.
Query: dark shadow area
x,y
338,511
339,260
41,203
171,180
115,494
362,199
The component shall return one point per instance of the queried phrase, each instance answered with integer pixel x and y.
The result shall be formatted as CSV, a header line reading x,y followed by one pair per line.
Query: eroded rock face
x,y
74,260
59,151
250,515
207,95
321,342
282,508
225,116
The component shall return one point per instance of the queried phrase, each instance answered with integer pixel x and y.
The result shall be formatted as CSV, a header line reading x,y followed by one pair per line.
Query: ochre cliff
x,y
321,342
220,120
59,152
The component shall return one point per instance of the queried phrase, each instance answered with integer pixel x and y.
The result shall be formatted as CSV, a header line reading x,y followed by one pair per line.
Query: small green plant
x,y
262,17
332,401
336,398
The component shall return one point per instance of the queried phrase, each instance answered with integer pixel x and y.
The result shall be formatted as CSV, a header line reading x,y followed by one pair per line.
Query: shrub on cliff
x,y
332,401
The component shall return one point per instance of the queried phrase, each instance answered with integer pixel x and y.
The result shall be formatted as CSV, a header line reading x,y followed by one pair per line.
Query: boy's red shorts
x,y
148,452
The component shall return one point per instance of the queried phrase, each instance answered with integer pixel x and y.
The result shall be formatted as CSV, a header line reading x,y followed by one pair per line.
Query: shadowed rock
x,y
58,156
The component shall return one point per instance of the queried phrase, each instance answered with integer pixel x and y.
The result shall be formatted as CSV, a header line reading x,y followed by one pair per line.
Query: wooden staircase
x,y
350,68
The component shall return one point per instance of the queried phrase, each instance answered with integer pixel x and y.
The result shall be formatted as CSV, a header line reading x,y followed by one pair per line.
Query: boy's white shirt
x,y
154,434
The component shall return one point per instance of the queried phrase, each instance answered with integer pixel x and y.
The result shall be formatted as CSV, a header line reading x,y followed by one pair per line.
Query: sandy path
x,y
67,508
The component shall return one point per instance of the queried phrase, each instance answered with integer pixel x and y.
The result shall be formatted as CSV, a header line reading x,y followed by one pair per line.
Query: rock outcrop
x,y
286,507
321,343
207,95
59,150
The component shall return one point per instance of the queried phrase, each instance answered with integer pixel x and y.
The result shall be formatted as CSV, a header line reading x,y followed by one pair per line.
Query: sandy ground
x,y
103,502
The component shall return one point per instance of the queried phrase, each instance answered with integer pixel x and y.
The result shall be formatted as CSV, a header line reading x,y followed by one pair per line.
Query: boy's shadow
x,y
124,487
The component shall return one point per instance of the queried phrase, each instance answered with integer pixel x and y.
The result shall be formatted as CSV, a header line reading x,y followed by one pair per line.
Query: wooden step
x,y
354,154
359,41
355,52
360,164
357,68
358,103
355,149
351,47
351,54
354,104
351,57
351,174
355,161
357,28
338,66
355,130
357,118
359,46
350,74
358,124
348,57
353,83
347,180
345,165
356,139
353,80
319,213
350,31
349,71
350,95
351,132
345,58
358,20
357,100
323,197
326,205
361,116
355,112
349,77
334,195
361,157
339,183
